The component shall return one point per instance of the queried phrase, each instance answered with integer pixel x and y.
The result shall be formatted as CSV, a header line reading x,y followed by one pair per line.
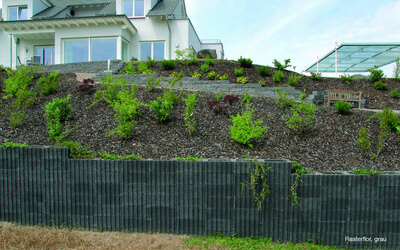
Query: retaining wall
x,y
43,186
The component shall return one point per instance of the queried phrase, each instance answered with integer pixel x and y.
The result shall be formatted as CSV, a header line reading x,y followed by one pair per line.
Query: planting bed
x,y
329,145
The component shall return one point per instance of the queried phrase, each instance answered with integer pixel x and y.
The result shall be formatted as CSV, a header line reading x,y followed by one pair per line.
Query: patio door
x,y
46,54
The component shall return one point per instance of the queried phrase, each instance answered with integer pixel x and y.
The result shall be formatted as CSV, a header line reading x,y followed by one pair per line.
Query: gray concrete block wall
x,y
43,186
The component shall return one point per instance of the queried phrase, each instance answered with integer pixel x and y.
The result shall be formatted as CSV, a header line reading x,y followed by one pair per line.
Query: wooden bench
x,y
334,95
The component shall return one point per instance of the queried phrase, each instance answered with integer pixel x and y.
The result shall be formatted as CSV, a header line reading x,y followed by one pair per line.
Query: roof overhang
x,y
50,25
357,57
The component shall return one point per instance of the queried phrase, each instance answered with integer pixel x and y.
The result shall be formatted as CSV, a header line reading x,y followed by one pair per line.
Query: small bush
x,y
152,84
111,86
379,85
283,100
143,68
57,111
281,66
343,107
77,150
149,62
376,74
133,59
278,76
186,56
224,77
316,76
213,76
129,68
209,61
247,98
264,71
244,129
168,64
126,107
205,68
242,80
23,99
239,72
262,83
219,96
190,120
17,80
389,119
245,62
163,105
347,78
395,94
293,79
196,74
302,115
86,86
230,99
48,84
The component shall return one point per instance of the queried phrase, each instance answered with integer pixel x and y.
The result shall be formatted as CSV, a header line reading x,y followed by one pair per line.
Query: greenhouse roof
x,y
357,57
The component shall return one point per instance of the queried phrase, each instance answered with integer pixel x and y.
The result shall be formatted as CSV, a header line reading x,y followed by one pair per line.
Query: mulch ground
x,y
329,145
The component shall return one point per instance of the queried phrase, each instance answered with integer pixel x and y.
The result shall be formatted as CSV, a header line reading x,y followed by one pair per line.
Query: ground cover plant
x,y
330,135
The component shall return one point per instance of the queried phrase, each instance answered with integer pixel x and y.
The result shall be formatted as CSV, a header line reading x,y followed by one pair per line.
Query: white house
x,y
65,31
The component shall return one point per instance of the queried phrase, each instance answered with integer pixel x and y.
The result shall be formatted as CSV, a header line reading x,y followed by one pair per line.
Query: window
x,y
154,50
46,54
134,8
17,13
90,49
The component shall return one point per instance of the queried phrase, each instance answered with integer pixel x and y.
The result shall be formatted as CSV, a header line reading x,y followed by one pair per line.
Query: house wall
x,y
79,12
5,49
194,40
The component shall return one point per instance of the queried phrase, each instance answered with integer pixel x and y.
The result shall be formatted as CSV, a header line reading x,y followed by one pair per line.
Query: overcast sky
x,y
301,30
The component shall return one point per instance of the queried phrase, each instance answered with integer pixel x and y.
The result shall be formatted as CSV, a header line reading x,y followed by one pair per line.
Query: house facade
x,y
67,31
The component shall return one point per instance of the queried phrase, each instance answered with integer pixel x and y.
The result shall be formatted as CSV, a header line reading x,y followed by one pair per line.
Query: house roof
x,y
164,8
60,5
357,57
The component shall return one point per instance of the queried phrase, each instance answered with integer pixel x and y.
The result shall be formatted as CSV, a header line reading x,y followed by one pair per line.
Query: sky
x,y
300,30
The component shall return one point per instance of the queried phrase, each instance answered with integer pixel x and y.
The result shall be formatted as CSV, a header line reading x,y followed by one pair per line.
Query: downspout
x,y
169,38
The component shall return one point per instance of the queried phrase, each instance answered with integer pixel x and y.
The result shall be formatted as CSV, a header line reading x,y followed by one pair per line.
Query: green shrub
x,y
152,84
247,98
23,99
13,145
347,78
376,74
133,59
209,61
343,107
144,68
190,119
244,129
379,85
316,76
278,76
242,80
363,140
186,56
188,158
111,86
281,66
58,111
17,80
262,83
149,62
224,77
389,119
168,64
245,62
48,84
77,150
108,156
161,108
196,74
302,115
213,76
126,107
239,72
129,68
366,172
283,101
219,96
264,71
395,94
205,68
293,79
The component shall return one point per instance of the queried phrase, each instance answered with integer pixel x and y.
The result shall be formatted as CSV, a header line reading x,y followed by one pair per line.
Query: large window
x,y
90,49
17,13
154,50
46,54
134,8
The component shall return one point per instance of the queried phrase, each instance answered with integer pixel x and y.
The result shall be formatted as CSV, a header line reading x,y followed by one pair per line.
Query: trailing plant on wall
x,y
258,183
299,171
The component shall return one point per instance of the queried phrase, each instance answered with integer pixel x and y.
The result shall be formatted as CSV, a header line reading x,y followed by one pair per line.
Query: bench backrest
x,y
342,94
